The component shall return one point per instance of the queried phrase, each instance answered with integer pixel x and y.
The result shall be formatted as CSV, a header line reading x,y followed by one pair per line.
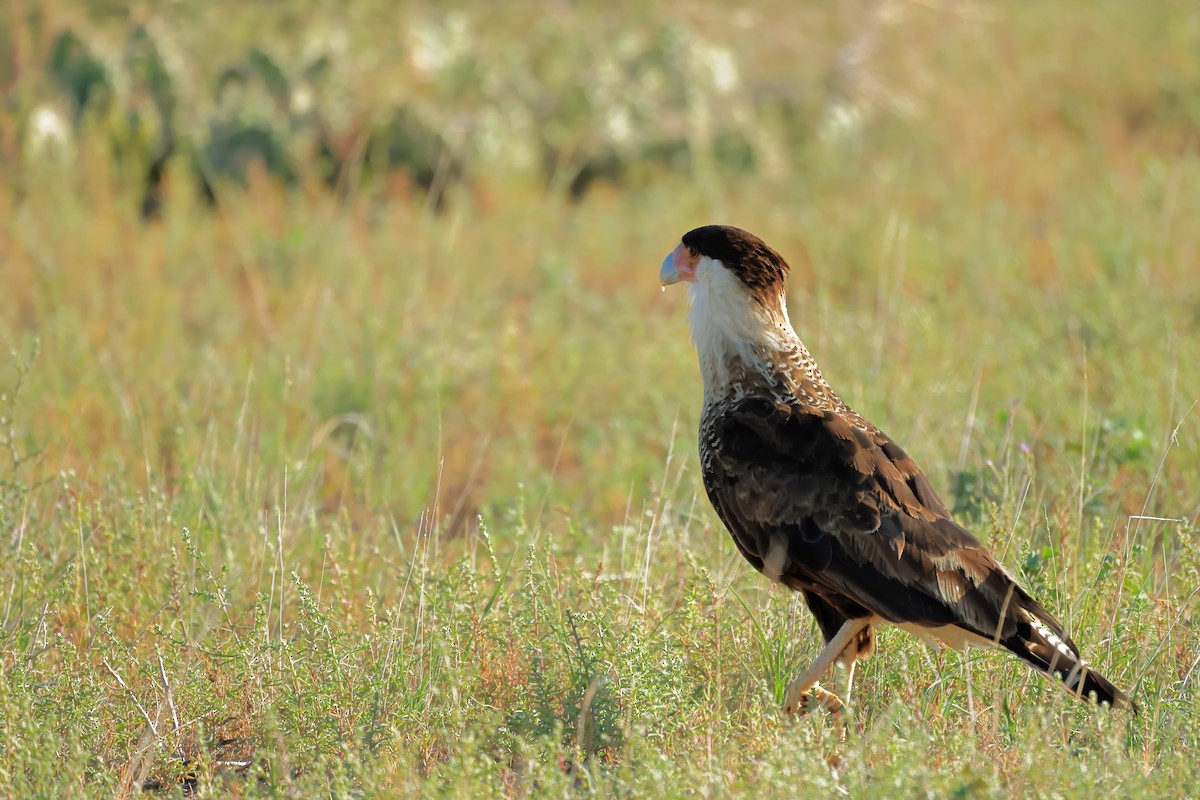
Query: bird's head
x,y
705,254
736,289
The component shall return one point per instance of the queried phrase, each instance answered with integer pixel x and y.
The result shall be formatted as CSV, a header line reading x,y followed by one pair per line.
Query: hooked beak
x,y
677,266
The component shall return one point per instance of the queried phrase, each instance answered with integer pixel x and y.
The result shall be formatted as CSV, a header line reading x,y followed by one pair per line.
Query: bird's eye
x,y
693,252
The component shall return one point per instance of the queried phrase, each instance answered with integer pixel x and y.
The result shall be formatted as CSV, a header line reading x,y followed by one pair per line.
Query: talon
x,y
827,700
814,696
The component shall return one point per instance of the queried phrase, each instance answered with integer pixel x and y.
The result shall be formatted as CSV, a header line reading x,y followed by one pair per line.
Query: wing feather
x,y
827,504
823,501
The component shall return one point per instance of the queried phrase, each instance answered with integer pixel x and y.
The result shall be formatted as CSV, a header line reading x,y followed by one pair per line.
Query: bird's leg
x,y
849,681
806,687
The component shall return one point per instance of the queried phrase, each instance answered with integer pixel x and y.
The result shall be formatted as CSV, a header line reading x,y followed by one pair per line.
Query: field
x,y
347,444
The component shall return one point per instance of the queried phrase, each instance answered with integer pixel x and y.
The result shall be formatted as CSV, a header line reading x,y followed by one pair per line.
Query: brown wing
x,y
811,497
829,505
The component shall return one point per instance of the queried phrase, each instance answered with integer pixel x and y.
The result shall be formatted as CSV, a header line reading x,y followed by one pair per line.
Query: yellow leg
x,y
805,686
849,682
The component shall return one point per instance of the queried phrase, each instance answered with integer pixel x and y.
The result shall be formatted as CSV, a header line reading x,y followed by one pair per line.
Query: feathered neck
x,y
740,338
746,344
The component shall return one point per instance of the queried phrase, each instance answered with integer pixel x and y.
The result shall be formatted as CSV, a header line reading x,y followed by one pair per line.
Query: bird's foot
x,y
800,700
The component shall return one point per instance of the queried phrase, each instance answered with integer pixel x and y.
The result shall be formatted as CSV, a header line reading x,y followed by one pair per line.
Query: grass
x,y
315,495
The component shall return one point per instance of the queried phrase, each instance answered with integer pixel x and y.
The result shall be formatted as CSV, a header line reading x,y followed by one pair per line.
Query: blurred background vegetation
x,y
347,438
438,96
326,142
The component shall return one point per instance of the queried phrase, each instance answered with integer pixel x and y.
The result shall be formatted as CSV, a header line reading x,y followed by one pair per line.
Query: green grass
x,y
313,495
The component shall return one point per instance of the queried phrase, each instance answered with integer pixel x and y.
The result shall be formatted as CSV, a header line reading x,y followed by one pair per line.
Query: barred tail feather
x,y
1041,643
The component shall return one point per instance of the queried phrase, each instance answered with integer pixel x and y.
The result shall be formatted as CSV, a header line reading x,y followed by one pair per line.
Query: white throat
x,y
735,335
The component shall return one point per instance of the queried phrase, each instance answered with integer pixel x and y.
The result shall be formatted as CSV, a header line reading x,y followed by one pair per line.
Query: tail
x,y
1040,641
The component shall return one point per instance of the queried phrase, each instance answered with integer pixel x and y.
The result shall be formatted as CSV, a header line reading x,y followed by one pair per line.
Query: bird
x,y
819,499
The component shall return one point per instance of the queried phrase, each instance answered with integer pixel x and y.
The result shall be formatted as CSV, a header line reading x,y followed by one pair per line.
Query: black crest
x,y
742,253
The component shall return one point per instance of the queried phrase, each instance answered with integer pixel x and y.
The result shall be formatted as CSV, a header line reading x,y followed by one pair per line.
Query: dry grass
x,y
306,493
